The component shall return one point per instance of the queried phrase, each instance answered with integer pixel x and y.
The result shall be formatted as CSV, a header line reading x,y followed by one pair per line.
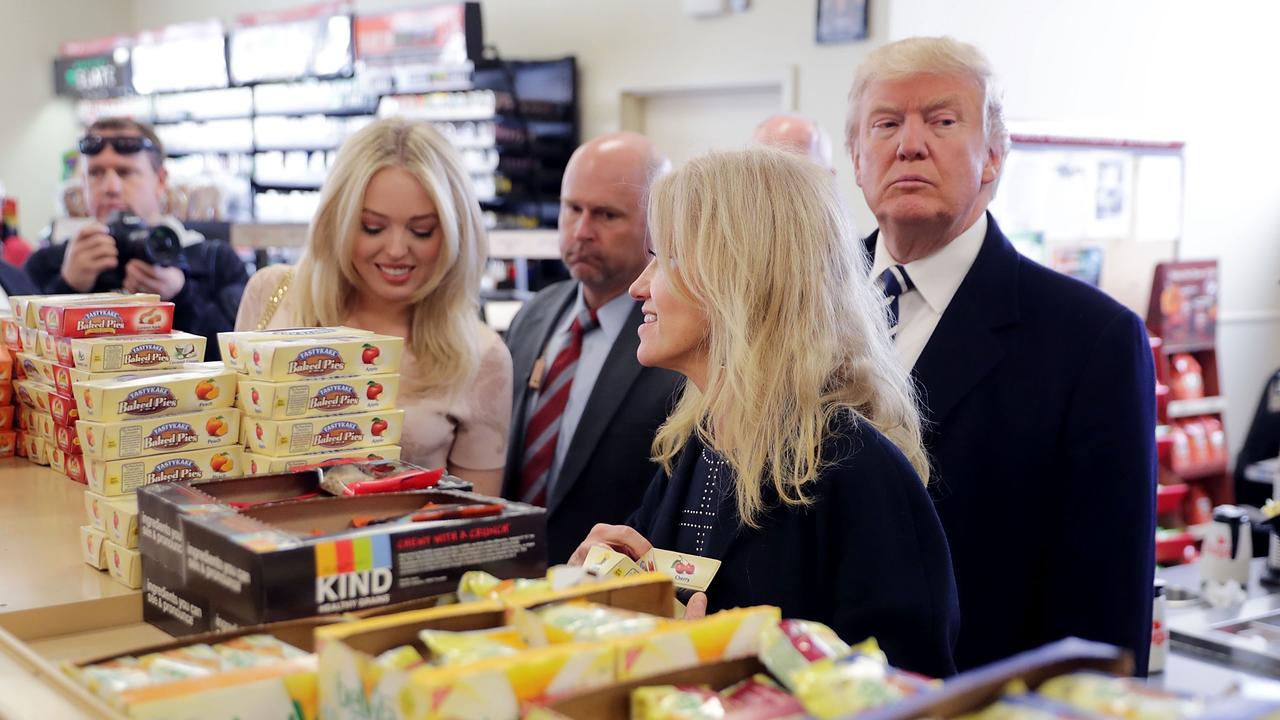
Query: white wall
x,y
1189,70
36,127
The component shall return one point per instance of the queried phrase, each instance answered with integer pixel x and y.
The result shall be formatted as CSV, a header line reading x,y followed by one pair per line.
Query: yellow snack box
x,y
30,341
42,425
193,388
215,427
57,459
92,542
35,367
131,352
122,521
231,343
119,477
35,447
33,394
726,635
124,564
262,464
27,307
316,398
332,356
342,432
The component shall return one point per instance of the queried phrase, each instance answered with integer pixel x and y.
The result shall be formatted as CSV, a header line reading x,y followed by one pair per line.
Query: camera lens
x,y
163,246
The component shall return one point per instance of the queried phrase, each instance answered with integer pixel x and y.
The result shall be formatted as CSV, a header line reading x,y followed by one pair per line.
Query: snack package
x,y
118,477
404,657
789,646
8,443
124,564
458,648
194,388
133,352
36,368
580,621
1026,706
33,394
121,521
726,635
480,585
343,432
318,398
132,317
215,427
310,358
27,309
670,702
231,343
760,698
92,545
263,464
1118,697
12,334
346,478
853,683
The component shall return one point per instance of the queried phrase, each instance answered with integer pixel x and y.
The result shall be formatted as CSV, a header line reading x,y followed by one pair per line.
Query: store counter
x,y
52,605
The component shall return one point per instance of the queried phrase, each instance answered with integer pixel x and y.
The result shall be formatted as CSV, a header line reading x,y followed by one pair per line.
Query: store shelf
x,y
1199,406
1201,471
327,112
1169,497
1172,547
532,244
268,235
299,148
286,186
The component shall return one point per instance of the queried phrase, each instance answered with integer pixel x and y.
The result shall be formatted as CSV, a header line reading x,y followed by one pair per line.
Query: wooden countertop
x,y
41,513
52,605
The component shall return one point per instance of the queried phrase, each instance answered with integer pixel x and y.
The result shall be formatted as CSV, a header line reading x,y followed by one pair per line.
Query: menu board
x,y
448,34
191,56
94,69
308,42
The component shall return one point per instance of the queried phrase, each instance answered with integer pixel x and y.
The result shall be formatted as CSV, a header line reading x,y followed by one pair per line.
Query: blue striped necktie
x,y
894,282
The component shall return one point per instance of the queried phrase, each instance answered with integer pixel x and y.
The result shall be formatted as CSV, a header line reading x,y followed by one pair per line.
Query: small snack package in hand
x,y
1119,697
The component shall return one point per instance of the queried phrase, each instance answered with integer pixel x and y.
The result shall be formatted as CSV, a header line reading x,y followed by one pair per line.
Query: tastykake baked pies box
x,y
232,343
194,388
215,427
310,435
317,398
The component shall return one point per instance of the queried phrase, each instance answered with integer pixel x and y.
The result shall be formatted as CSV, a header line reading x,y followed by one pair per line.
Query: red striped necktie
x,y
543,430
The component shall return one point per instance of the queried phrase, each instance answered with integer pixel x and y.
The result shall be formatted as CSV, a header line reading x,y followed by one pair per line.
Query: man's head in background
x,y
798,134
123,169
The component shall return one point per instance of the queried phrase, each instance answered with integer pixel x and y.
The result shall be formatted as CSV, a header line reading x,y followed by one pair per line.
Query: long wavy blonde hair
x,y
443,332
796,332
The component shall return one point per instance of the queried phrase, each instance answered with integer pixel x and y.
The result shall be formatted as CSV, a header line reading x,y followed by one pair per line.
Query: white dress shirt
x,y
936,277
596,345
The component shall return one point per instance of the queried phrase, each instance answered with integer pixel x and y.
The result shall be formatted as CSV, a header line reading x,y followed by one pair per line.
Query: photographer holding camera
x,y
133,245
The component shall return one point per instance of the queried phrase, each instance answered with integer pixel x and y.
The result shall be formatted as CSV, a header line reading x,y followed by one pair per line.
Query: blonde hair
x,y
937,55
443,332
797,334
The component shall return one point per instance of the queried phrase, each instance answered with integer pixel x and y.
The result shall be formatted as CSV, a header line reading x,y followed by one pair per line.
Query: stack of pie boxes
x,y
114,398
312,395
8,413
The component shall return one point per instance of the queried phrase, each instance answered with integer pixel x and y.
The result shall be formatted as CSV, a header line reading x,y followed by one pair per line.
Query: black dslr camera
x,y
135,239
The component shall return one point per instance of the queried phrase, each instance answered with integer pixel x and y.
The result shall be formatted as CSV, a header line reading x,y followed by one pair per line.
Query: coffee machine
x,y
1268,471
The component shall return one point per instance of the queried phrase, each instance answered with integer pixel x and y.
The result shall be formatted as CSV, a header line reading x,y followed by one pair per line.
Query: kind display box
x,y
263,562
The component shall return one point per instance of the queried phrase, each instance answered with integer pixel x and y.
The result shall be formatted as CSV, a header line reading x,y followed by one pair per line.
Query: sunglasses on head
x,y
125,145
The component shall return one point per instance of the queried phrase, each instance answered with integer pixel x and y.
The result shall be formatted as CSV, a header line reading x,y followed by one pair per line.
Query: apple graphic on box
x,y
258,430
370,354
254,396
375,389
379,426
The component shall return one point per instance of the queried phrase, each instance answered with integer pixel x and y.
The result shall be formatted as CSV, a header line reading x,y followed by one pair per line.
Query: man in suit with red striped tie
x,y
585,411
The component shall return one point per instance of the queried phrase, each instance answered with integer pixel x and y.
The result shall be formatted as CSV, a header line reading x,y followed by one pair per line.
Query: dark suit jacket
x,y
1262,443
1039,394
14,281
868,557
607,467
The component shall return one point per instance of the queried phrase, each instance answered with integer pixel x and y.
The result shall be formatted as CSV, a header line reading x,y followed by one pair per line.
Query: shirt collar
x,y
938,276
612,315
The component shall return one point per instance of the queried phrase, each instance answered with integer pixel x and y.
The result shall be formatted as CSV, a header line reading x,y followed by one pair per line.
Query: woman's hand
x,y
618,537
697,607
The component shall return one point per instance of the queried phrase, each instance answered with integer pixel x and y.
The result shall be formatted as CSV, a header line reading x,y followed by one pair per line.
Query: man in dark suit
x,y
585,411
1037,390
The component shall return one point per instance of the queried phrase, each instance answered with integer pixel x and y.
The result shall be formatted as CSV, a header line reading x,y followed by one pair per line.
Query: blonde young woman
x,y
397,247
794,456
